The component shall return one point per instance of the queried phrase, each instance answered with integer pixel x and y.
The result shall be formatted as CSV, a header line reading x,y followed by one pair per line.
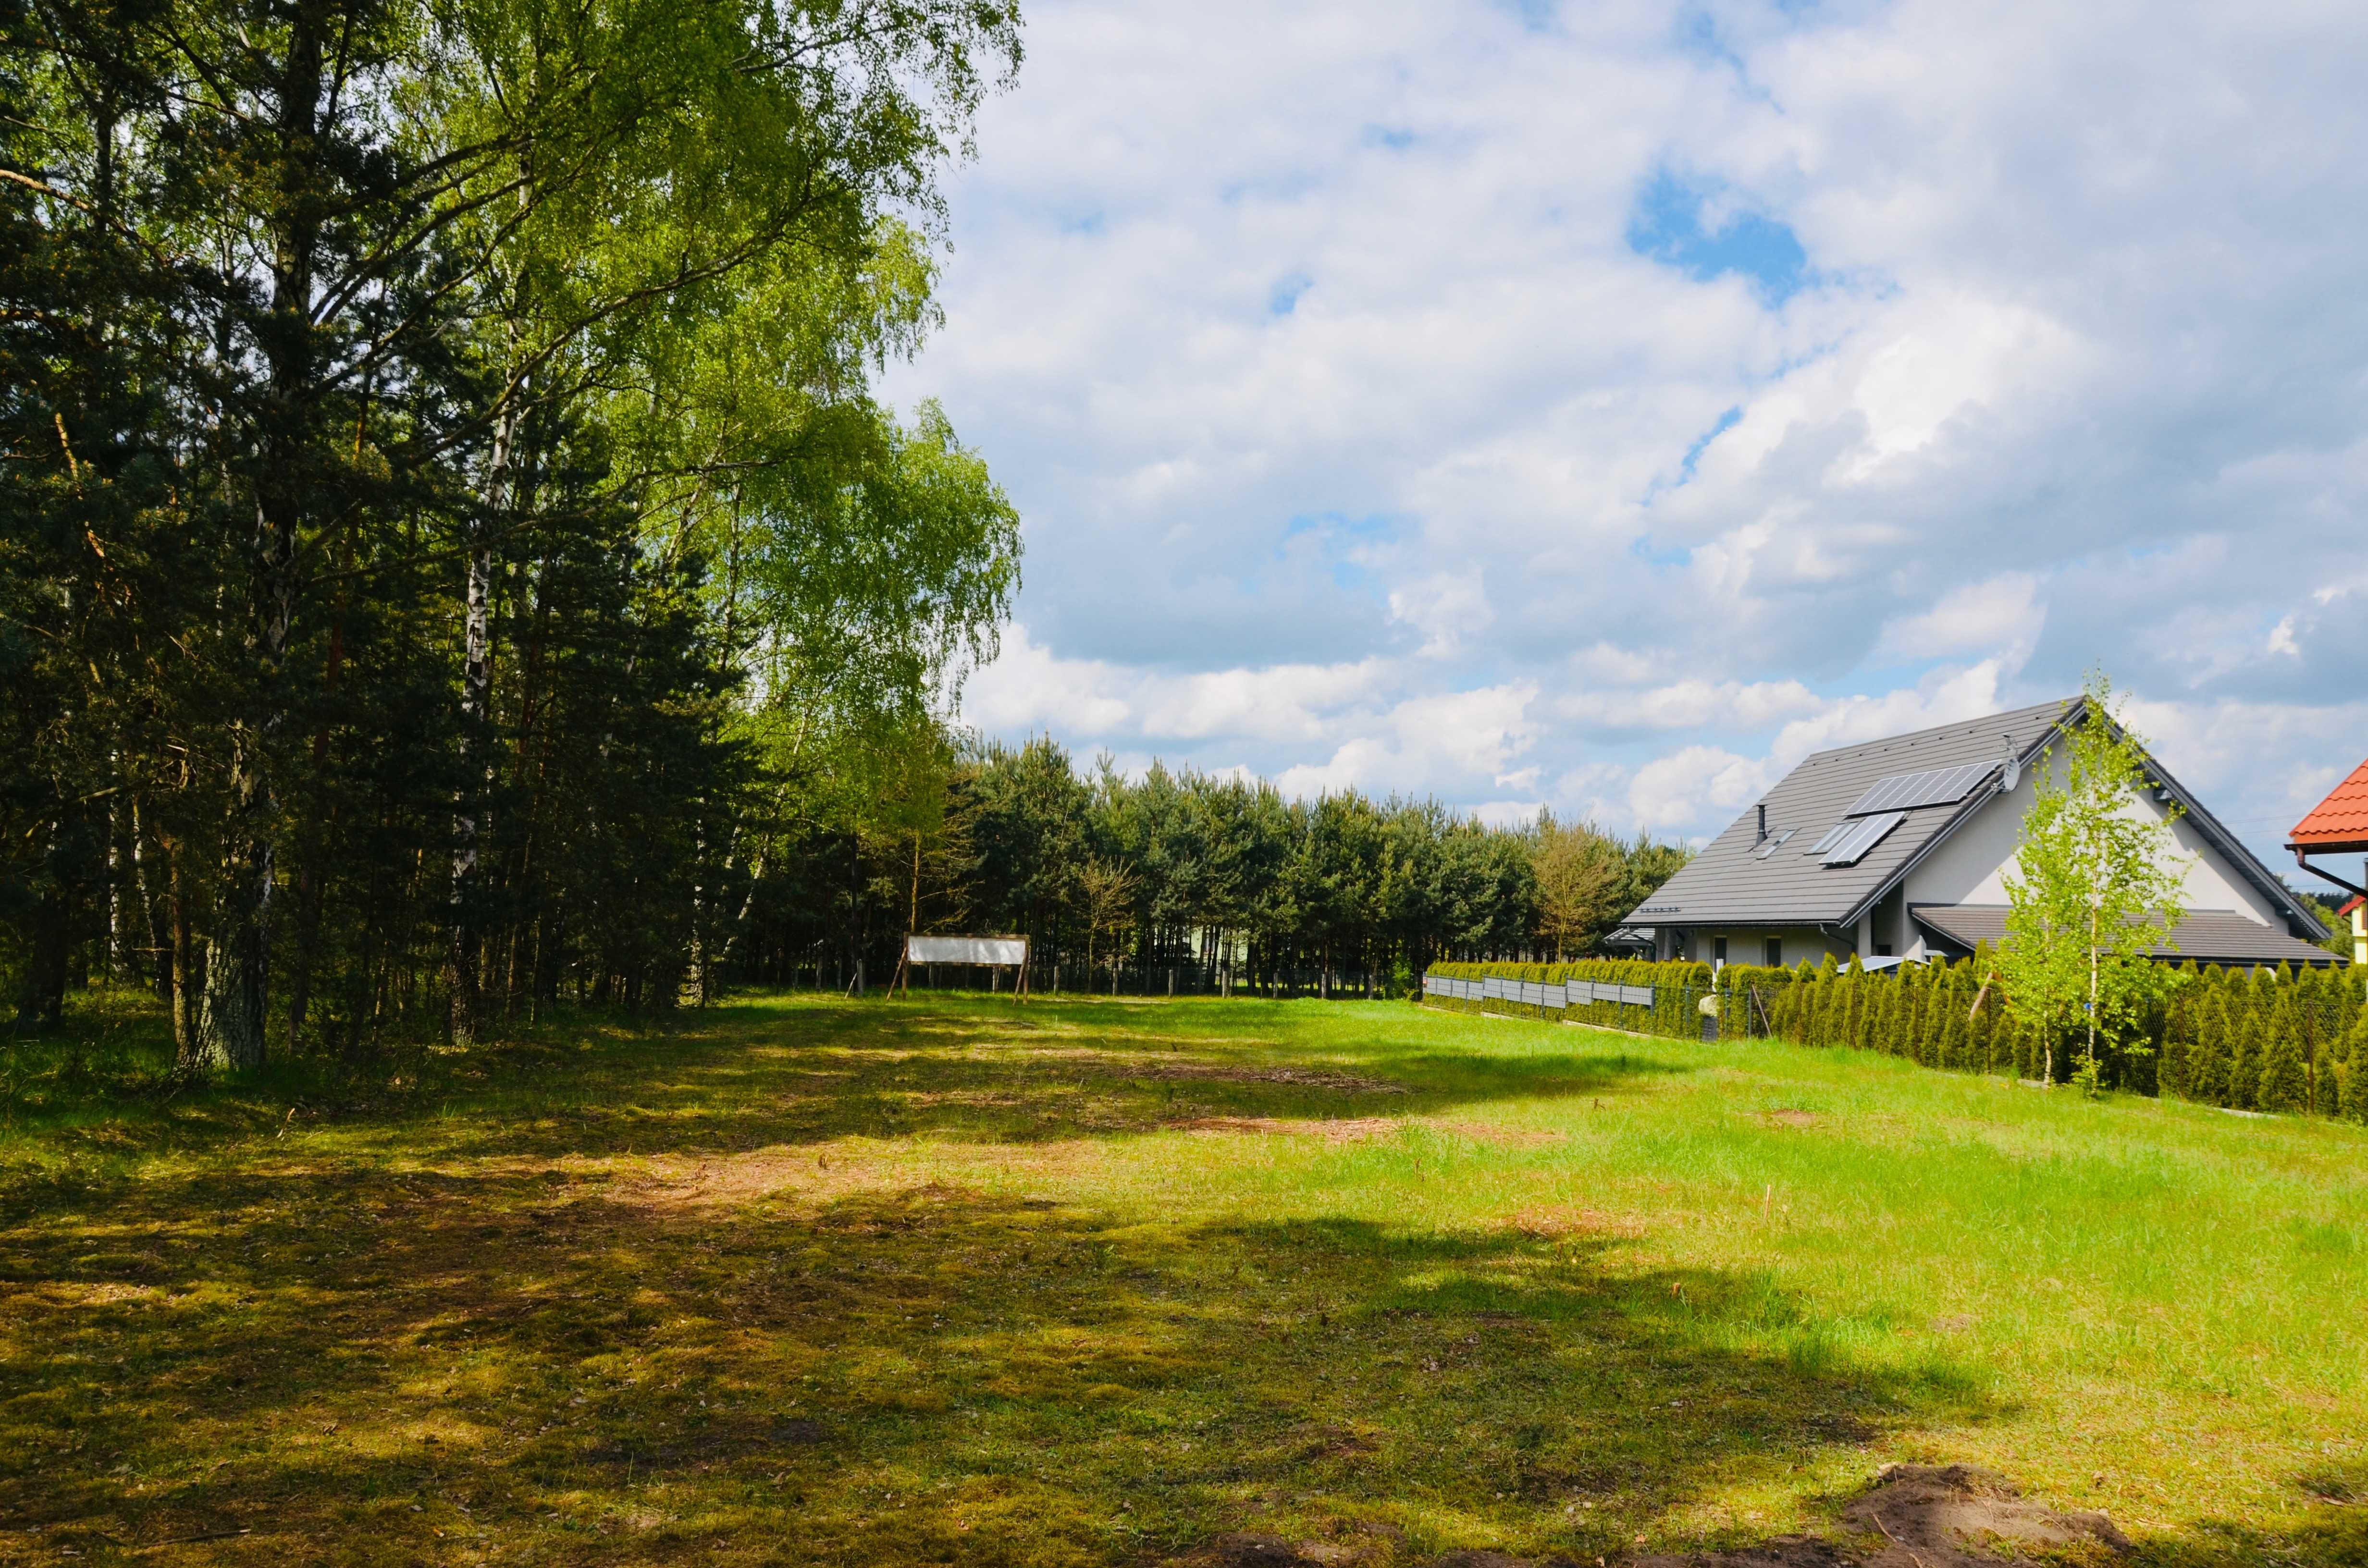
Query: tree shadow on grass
x,y
812,1071
394,1365
1050,1071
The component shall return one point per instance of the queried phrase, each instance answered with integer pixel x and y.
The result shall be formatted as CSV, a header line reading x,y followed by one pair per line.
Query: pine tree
x,y
2283,1075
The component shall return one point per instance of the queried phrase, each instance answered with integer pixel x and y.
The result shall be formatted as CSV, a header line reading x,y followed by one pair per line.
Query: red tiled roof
x,y
2354,902
2340,821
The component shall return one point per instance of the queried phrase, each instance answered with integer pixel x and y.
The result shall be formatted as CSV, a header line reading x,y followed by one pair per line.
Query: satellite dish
x,y
2012,774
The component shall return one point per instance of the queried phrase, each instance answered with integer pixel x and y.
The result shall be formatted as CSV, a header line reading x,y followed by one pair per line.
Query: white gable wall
x,y
1969,867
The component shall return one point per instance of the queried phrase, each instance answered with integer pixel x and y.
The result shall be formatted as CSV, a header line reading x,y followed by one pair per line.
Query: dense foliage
x,y
444,525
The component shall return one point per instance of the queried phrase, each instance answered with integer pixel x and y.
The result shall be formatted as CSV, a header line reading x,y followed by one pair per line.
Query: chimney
x,y
1763,823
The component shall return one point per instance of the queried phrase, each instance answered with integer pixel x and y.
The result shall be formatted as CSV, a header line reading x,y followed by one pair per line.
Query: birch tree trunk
x,y
476,702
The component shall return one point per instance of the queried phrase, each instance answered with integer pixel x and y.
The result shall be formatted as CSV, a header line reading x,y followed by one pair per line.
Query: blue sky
x,y
1601,407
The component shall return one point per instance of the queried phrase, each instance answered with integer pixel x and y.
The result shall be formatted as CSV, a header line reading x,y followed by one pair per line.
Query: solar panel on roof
x,y
1833,836
1864,834
1907,791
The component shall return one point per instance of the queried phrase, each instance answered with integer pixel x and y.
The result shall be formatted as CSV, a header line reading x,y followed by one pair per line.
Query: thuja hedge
x,y
1678,991
2281,1041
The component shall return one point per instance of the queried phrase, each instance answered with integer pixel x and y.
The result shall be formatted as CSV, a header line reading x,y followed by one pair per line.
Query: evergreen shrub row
x,y
2271,1040
1678,991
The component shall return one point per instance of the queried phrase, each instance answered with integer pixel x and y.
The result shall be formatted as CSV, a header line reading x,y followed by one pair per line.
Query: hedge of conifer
x,y
1677,992
2271,1040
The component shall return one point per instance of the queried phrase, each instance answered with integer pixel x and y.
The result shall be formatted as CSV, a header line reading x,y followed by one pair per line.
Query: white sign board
x,y
967,949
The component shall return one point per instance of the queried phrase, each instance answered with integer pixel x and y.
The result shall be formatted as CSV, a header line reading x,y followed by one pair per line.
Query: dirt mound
x,y
1929,1517
1955,1513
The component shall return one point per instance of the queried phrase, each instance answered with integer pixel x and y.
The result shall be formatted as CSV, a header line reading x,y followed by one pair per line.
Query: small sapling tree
x,y
2093,891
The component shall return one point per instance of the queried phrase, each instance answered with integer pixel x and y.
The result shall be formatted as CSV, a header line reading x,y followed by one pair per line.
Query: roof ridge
x,y
2058,705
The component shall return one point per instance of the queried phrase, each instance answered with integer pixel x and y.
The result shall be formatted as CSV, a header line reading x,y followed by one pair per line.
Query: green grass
x,y
805,1281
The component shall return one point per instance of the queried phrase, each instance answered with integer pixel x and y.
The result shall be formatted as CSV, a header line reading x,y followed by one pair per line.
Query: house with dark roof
x,y
2339,825
1897,850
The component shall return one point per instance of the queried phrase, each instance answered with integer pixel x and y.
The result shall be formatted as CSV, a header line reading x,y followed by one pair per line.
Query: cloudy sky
x,y
1605,405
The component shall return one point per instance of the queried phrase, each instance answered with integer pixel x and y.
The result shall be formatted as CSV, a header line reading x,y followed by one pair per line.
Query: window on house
x,y
1775,955
1882,949
1718,949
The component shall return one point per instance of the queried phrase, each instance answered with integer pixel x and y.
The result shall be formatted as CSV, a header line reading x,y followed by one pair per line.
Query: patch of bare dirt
x,y
1790,1118
1345,1130
1929,1517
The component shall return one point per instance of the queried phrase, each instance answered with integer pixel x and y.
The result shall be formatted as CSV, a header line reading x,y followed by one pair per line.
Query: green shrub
x,y
2247,1042
2208,1060
2351,1073
2284,1083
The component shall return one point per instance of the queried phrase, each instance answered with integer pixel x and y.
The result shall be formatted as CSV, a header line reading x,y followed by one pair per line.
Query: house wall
x,y
1747,944
1971,865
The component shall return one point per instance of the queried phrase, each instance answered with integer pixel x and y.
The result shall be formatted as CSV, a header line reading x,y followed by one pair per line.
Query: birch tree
x,y
2093,892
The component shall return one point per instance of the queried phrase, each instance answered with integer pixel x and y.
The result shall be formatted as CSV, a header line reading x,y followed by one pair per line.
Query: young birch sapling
x,y
2093,891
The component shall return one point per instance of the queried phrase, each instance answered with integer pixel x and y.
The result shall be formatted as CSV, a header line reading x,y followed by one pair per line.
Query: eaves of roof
x,y
2206,935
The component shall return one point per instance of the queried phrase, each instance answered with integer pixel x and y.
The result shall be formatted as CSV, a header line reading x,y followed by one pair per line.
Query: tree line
x,y
446,529
1181,869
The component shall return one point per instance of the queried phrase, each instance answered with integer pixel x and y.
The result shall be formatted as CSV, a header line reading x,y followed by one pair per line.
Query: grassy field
x,y
801,1280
